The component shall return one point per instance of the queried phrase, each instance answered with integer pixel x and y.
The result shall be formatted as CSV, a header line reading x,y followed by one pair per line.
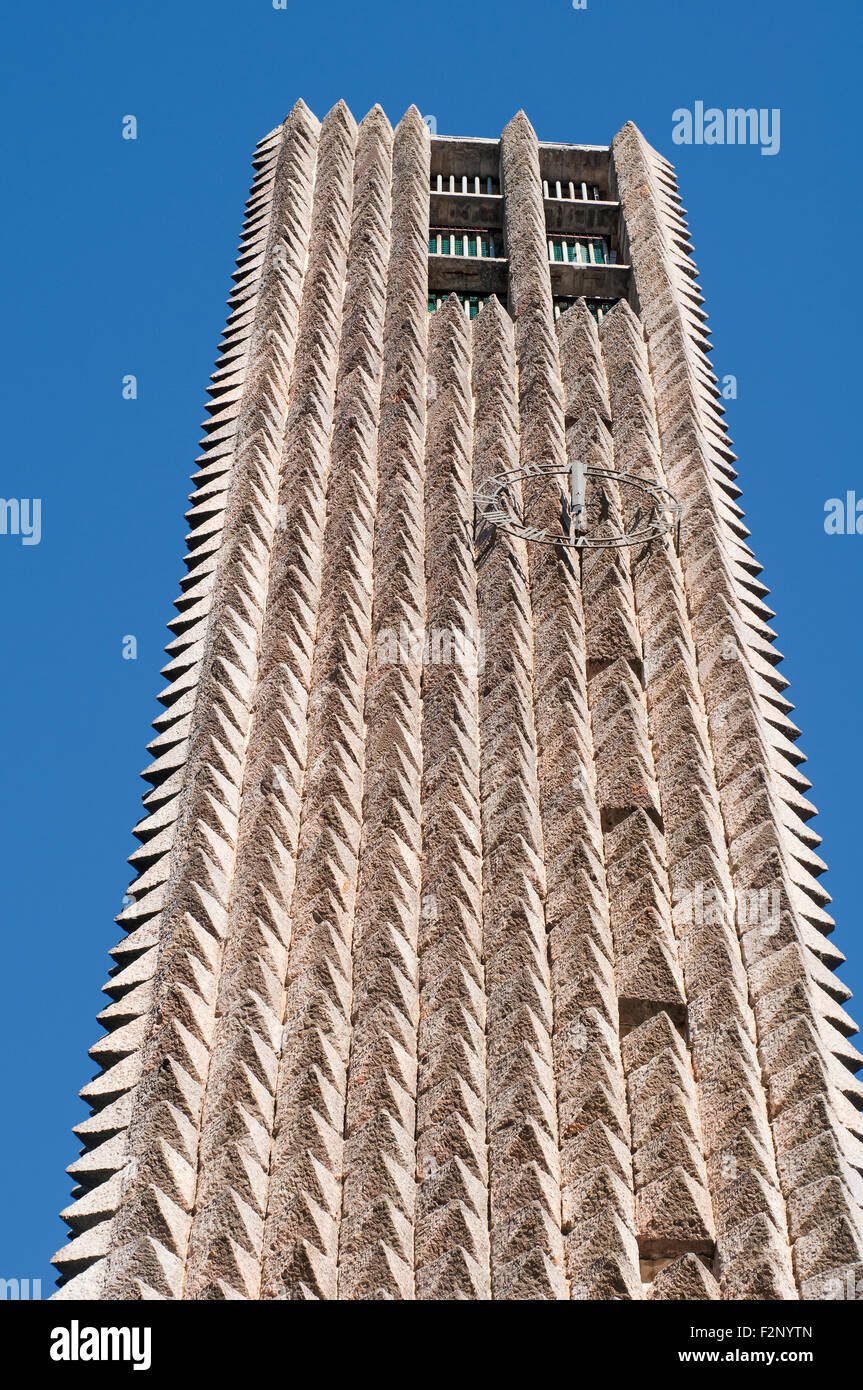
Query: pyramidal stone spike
x,y
375,118
477,948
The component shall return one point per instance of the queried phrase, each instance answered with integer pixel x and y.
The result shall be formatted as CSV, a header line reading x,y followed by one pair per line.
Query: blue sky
x,y
117,260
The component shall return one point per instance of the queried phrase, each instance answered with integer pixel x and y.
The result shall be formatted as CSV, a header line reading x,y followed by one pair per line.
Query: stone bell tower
x,y
476,948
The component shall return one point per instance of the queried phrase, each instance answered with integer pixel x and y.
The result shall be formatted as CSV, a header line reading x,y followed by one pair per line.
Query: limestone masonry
x,y
476,948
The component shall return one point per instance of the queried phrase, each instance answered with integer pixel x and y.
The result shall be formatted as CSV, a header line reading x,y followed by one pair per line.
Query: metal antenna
x,y
495,506
577,495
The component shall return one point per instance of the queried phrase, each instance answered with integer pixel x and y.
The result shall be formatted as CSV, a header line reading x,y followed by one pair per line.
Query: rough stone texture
x,y
414,1000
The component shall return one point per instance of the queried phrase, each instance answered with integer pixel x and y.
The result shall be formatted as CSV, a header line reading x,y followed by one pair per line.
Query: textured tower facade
x,y
476,948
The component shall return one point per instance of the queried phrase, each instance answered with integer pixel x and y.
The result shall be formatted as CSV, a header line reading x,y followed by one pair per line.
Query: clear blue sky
x,y
117,260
